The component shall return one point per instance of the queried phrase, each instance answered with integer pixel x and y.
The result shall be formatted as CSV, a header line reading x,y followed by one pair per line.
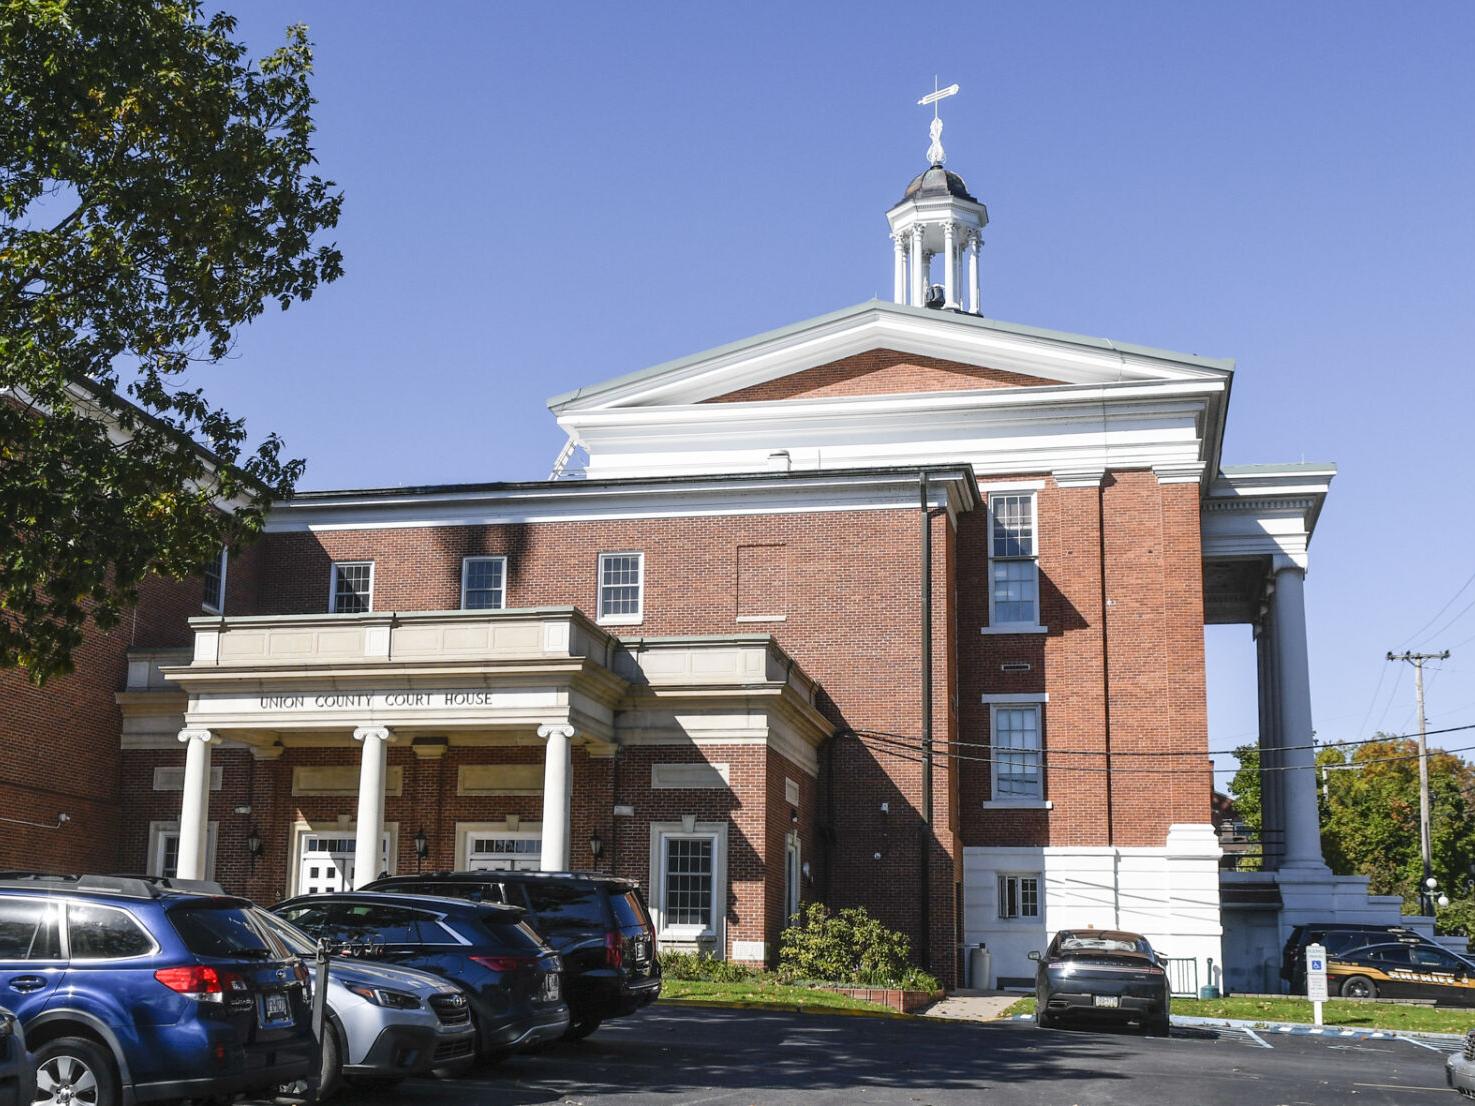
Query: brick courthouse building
x,y
699,660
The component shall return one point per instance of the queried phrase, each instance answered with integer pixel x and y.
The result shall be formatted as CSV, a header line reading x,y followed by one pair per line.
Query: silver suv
x,y
388,1023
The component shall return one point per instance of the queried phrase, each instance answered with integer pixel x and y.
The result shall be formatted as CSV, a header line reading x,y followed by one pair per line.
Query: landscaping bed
x,y
1343,1012
761,991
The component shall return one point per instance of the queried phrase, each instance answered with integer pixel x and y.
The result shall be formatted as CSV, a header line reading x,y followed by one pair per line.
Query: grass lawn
x,y
761,992
1360,1015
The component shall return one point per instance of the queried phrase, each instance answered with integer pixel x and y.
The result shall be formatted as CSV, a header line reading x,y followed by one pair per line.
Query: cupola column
x,y
899,285
974,242
919,268
950,270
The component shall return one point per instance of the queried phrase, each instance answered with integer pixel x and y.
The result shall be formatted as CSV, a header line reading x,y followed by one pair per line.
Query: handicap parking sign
x,y
1317,966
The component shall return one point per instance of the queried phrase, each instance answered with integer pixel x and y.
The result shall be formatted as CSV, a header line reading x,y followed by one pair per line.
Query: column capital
x,y
376,733
1285,562
198,733
555,729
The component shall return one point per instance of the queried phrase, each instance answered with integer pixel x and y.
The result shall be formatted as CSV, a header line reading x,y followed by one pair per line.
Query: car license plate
x,y
276,1010
551,988
1108,1002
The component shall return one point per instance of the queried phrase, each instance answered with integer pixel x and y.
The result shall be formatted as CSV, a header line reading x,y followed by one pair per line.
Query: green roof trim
x,y
1291,466
1222,364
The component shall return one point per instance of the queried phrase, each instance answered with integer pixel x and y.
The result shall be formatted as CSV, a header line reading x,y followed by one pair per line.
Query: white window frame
x,y
333,585
335,829
620,619
466,832
793,876
465,572
714,935
1016,702
159,835
223,561
994,625
1016,878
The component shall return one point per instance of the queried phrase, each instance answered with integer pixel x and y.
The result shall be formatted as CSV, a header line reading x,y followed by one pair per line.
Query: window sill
x,y
1018,804
1014,628
762,618
620,620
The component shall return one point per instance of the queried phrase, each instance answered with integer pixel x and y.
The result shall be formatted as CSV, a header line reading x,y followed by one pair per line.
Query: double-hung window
x,y
689,869
483,583
1013,565
352,587
213,599
1016,752
1019,896
621,587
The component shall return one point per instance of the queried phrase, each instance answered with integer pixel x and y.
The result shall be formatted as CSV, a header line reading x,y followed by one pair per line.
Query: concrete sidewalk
x,y
972,1006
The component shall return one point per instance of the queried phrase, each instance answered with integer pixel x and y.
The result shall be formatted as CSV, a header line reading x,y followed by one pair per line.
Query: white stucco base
x,y
1170,895
1255,937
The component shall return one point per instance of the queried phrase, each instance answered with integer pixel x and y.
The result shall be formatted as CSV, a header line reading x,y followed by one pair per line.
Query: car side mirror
x,y
1035,955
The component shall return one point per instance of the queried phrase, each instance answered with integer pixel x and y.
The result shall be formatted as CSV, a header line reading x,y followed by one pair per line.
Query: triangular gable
x,y
957,351
880,372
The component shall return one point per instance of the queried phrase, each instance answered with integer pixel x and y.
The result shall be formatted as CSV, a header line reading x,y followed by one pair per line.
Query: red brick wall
x,y
1146,655
880,372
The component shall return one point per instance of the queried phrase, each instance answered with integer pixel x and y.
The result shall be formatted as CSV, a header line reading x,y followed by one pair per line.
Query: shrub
x,y
700,966
848,947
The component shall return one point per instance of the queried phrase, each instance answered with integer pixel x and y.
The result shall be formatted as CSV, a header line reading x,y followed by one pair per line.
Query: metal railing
x,y
1182,976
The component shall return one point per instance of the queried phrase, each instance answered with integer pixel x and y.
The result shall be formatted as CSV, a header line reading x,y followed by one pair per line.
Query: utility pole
x,y
1426,906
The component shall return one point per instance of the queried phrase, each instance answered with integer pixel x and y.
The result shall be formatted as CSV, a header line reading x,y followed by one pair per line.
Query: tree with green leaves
x,y
156,193
1369,808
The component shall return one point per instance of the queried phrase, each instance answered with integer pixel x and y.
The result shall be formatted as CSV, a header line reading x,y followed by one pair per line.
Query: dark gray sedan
x,y
1106,974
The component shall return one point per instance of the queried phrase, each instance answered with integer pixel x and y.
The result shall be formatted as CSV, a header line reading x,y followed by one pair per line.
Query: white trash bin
x,y
980,967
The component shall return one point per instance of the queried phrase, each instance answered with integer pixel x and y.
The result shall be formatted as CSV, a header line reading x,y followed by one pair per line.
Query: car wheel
x,y
75,1070
580,1029
329,1074
1359,986
1157,1026
1045,1020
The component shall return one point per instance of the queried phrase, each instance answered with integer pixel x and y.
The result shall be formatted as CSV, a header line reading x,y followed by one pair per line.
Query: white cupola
x,y
937,217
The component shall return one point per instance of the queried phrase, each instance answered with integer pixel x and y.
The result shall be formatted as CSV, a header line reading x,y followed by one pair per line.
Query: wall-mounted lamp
x,y
253,843
422,845
596,845
793,816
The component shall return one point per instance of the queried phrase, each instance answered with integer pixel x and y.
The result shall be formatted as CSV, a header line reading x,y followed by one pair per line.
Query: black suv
x,y
1336,937
513,979
598,923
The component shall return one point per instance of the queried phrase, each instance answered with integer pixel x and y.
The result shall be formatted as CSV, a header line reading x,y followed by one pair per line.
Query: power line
x,y
1447,603
1453,620
1160,753
913,753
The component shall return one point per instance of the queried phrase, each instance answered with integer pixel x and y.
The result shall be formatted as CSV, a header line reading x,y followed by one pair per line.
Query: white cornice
x,y
1264,511
1051,357
950,487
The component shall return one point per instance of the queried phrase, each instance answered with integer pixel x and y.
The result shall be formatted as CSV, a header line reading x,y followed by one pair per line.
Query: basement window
x,y
1019,896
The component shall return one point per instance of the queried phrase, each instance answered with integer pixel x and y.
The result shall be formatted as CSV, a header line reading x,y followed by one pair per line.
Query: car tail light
x,y
502,963
614,949
200,981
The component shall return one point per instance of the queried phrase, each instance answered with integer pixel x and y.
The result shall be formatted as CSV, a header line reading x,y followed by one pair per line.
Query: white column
x,y
368,844
557,793
899,283
974,242
919,269
950,268
1293,689
194,807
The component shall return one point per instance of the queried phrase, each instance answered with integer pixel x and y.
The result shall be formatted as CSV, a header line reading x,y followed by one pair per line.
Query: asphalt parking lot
x,y
696,1057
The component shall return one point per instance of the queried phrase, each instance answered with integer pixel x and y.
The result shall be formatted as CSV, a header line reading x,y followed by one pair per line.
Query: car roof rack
x,y
174,883
126,886
489,875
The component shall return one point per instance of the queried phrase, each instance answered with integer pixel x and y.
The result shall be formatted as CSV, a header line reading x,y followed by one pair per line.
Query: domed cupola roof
x,y
937,181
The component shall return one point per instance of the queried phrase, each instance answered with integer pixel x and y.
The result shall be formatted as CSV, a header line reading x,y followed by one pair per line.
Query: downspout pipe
x,y
925,835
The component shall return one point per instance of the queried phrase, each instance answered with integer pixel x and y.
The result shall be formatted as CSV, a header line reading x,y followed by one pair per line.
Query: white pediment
x,y
1055,359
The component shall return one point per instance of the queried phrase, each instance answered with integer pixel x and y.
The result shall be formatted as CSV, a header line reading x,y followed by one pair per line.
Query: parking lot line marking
x,y
1403,1087
1259,1040
1421,1044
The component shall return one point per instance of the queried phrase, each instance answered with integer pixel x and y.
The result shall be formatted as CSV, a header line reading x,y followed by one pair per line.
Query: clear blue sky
x,y
542,195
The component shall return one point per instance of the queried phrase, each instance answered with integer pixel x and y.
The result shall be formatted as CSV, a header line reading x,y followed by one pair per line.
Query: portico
x,y
476,690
